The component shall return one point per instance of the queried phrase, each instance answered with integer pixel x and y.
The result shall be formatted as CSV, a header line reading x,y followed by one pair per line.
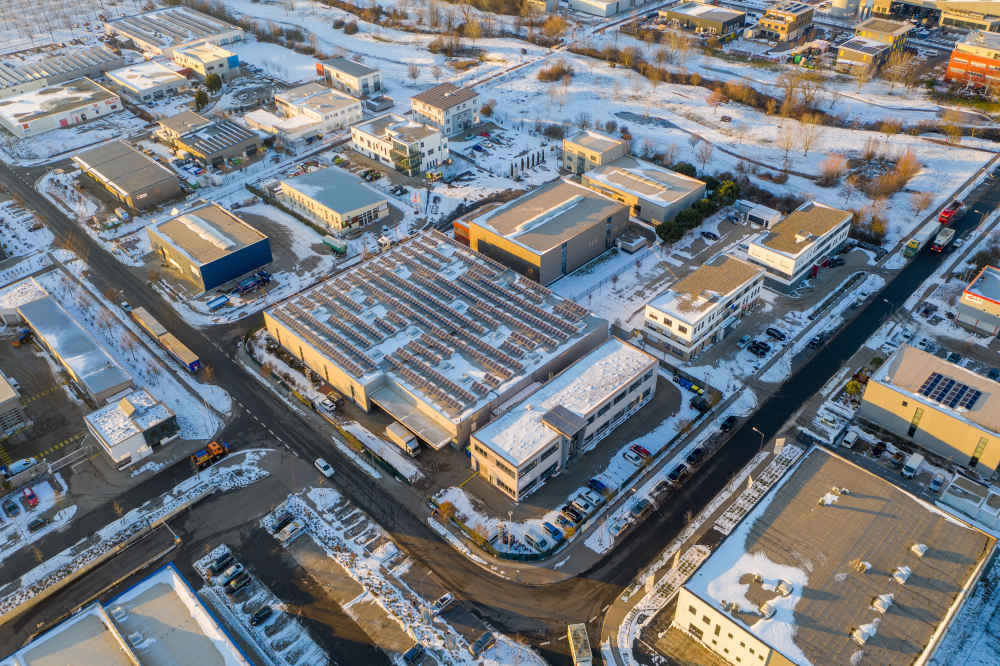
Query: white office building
x,y
147,81
307,112
406,145
446,106
335,199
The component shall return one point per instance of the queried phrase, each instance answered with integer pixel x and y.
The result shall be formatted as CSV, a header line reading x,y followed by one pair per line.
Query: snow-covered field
x,y
58,188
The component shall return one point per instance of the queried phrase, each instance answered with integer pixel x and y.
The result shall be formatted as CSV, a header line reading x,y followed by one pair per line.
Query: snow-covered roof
x,y
394,126
596,141
803,227
336,189
205,52
547,216
135,413
986,284
145,76
58,98
521,433
706,288
703,11
349,67
63,65
170,27
207,232
835,558
90,364
446,326
293,127
645,181
909,368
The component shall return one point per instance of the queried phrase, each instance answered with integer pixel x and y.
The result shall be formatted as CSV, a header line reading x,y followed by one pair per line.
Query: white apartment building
x,y
306,113
351,77
207,58
565,417
703,307
407,146
446,106
794,248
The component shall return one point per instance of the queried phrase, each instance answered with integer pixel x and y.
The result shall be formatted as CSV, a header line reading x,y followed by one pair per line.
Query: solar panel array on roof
x,y
949,392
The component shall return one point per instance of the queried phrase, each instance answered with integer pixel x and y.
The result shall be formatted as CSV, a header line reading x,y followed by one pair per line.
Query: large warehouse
x,y
652,193
55,106
836,565
161,31
434,334
133,178
90,366
146,81
548,232
209,246
334,198
566,417
216,141
24,77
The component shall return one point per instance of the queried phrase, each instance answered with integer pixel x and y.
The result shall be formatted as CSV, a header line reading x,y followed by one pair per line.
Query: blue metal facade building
x,y
235,264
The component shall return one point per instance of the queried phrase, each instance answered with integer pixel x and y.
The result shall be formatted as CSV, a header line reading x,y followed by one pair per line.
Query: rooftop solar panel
x,y
949,392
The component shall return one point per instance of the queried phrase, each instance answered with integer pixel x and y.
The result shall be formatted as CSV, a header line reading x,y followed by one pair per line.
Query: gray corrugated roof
x,y
349,67
338,190
445,96
123,166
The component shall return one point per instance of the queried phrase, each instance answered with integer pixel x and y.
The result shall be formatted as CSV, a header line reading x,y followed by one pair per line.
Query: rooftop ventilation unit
x,y
882,603
767,610
918,549
902,574
865,632
784,588
861,566
828,499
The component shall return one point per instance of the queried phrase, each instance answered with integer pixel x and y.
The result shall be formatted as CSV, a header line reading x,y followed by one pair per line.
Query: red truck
x,y
951,212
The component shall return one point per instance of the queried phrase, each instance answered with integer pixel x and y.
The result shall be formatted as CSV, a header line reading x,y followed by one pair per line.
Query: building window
x,y
549,451
695,631
718,630
706,620
682,329
914,422
692,610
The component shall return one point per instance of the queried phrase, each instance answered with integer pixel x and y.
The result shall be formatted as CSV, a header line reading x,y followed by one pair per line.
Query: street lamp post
x,y
754,428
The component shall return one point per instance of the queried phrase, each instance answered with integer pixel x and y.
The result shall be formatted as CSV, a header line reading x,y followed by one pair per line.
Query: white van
x,y
849,439
912,465
534,539
19,466
403,438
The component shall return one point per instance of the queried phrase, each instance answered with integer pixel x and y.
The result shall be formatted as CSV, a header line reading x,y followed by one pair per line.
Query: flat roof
x,y
7,391
395,125
701,290
789,7
78,60
645,180
208,232
91,364
986,284
349,67
336,189
445,96
205,51
863,45
811,531
886,26
547,216
704,11
981,38
522,433
318,98
184,122
595,141
217,136
87,638
57,98
444,325
123,167
135,413
171,26
145,75
804,226
908,369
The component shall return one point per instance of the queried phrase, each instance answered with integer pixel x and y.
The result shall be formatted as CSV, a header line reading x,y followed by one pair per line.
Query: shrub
x,y
338,23
670,232
486,111
554,131
555,72
685,168
832,169
351,28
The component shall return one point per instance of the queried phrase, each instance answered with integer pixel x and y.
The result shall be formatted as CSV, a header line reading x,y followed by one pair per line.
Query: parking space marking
x,y
471,477
32,398
4,456
59,445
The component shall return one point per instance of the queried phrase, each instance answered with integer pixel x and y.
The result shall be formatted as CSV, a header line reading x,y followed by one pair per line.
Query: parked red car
x,y
640,451
30,497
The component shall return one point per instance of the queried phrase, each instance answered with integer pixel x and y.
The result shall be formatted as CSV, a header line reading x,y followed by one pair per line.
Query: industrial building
x,y
953,14
793,249
976,59
86,362
55,106
703,307
350,76
978,308
133,178
944,408
209,246
548,232
874,41
159,620
162,31
652,193
403,144
704,18
832,563
446,106
588,150
604,8
335,199
784,21
434,334
25,77
306,113
12,416
207,58
147,81
554,425
209,141
128,428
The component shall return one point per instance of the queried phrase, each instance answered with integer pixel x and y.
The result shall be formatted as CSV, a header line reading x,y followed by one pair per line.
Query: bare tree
x,y
862,75
704,154
670,155
716,98
921,201
413,71
436,72
786,137
897,68
810,131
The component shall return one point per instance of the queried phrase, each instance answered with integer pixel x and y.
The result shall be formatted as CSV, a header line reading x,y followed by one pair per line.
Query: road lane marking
x,y
471,477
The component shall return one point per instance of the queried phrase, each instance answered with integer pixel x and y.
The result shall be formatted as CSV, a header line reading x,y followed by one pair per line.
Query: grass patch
x,y
462,65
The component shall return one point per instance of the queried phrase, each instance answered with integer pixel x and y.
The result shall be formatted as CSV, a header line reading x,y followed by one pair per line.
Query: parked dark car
x,y
37,524
572,513
993,374
776,334
11,508
414,655
695,456
261,615
594,484
762,345
639,508
728,423
221,563
815,341
237,583
700,404
710,235
482,644
837,261
678,474
283,522
554,531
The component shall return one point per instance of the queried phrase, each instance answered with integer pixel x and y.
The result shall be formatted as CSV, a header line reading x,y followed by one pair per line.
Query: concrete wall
x,y
721,634
643,208
937,431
